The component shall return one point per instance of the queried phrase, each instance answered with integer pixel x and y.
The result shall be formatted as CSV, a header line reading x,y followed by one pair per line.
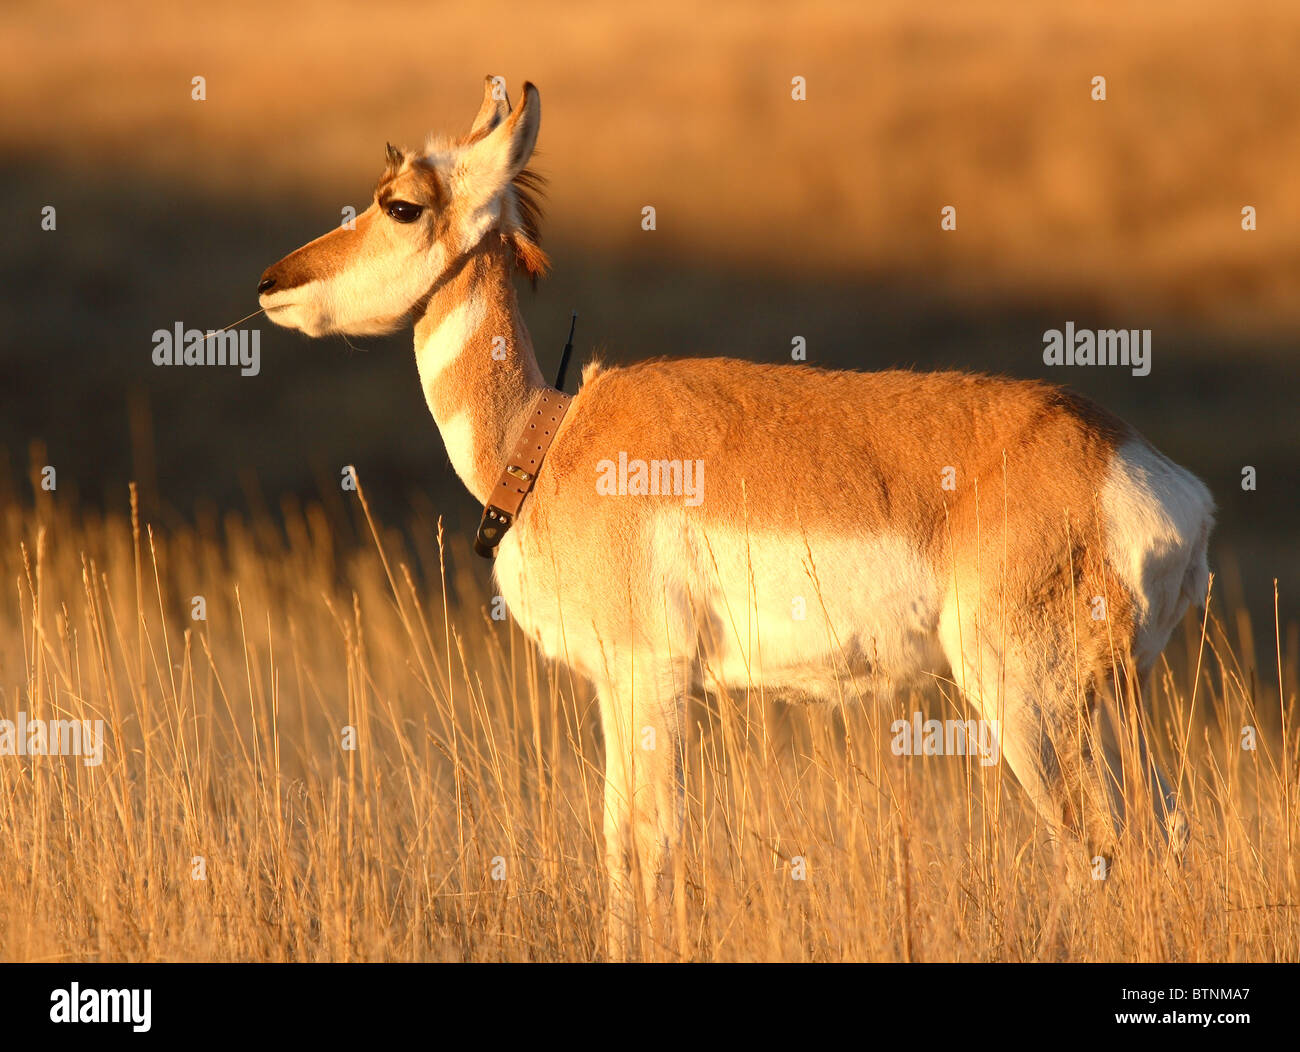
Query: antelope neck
x,y
477,366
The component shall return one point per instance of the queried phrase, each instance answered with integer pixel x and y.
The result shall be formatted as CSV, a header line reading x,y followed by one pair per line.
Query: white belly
x,y
833,619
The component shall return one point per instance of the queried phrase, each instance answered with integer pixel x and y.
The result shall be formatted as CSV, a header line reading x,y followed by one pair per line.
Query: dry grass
x,y
475,756
225,735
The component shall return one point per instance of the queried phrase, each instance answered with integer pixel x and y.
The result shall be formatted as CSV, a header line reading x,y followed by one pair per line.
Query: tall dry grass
x,y
476,760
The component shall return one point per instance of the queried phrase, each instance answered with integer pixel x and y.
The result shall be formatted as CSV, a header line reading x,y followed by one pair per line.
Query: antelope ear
x,y
493,161
495,108
393,159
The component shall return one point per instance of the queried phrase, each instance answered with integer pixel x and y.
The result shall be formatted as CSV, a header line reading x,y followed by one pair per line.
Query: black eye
x,y
403,211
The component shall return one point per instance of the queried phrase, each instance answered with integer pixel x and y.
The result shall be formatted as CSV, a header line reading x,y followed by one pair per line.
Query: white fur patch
x,y
1158,520
296,308
371,295
445,344
860,620
750,611
458,436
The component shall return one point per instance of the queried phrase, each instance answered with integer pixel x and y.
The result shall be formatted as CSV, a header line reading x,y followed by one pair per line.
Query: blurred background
x,y
776,218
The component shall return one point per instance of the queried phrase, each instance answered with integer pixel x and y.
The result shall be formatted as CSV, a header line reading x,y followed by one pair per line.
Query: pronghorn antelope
x,y
946,523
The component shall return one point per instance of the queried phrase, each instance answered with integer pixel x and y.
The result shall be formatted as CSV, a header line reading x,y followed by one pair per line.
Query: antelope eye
x,y
404,211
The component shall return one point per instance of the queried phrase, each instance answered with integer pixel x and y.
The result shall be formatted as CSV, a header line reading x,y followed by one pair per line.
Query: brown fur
x,y
328,254
862,453
495,408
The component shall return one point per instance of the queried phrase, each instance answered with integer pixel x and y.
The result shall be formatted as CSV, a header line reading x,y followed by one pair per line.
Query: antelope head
x,y
430,209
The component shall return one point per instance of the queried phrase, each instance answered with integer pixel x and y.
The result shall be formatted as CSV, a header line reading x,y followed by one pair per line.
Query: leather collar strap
x,y
521,470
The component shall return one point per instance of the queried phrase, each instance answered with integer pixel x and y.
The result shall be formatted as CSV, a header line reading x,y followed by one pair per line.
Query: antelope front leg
x,y
645,803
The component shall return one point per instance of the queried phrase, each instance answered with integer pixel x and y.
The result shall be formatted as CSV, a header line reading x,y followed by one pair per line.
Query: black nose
x,y
265,285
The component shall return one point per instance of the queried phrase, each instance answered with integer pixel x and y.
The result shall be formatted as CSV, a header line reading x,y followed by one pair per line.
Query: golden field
x,y
910,106
775,218
466,824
